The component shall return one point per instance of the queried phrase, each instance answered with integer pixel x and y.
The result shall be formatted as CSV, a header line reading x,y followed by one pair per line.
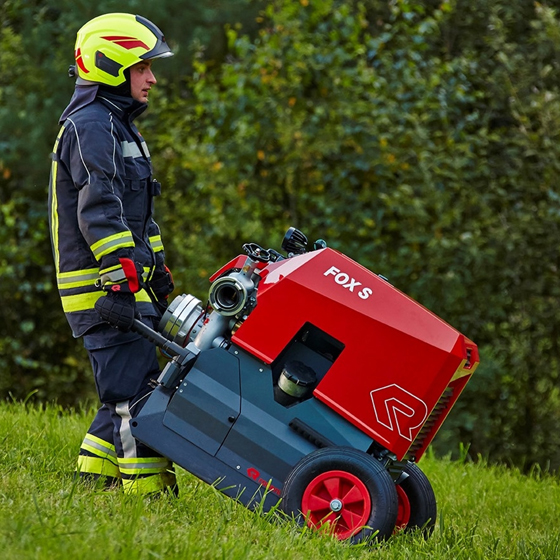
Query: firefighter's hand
x,y
162,283
118,309
120,273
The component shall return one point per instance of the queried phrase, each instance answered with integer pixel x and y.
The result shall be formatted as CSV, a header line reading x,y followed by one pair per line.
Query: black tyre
x,y
346,488
417,502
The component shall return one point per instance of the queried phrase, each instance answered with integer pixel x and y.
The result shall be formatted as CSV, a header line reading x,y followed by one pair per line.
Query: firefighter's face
x,y
141,80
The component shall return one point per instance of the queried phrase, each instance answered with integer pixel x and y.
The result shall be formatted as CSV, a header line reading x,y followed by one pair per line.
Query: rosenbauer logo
x,y
255,475
397,409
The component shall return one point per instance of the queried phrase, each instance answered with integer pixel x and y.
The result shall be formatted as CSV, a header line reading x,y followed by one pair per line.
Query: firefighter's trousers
x,y
123,365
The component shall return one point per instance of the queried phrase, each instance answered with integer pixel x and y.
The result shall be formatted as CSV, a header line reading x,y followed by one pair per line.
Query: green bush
x,y
419,138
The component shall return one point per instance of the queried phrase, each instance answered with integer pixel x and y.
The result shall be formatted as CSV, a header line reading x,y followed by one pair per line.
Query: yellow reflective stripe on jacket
x,y
54,201
77,278
140,466
142,295
113,275
148,273
97,465
54,214
99,447
80,302
112,243
83,302
110,269
156,243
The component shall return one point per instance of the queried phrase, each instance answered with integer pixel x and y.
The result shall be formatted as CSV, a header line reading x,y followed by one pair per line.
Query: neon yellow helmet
x,y
109,44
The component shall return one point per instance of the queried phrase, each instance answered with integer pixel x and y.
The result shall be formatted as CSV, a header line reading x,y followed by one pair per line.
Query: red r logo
x,y
397,408
253,474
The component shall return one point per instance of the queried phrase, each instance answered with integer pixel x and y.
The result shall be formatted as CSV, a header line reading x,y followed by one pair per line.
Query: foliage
x,y
484,513
426,160
419,138
37,351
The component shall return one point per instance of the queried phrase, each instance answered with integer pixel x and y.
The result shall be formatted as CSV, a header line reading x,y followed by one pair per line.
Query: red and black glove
x,y
120,275
118,309
121,279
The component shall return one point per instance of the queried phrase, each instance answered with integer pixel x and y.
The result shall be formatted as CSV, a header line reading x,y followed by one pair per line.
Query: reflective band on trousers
x,y
112,243
148,484
140,466
99,447
97,465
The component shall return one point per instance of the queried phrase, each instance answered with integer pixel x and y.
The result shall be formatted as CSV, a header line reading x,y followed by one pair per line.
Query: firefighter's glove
x,y
118,309
161,283
120,275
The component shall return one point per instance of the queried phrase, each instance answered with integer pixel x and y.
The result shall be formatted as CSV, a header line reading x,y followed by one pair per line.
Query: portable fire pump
x,y
309,384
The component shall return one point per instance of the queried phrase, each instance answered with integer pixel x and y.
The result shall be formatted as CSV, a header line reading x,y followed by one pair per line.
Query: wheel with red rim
x,y
338,498
343,490
403,514
417,502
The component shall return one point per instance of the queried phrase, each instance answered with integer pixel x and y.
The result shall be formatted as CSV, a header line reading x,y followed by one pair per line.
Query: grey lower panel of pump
x,y
223,423
208,402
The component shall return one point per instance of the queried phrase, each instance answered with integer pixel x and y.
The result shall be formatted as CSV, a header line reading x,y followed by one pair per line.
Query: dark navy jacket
x,y
101,202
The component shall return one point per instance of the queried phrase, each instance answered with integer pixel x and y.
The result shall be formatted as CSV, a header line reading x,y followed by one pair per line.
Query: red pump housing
x,y
401,368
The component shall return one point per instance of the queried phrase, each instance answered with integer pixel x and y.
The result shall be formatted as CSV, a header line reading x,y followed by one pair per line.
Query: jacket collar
x,y
125,106
86,93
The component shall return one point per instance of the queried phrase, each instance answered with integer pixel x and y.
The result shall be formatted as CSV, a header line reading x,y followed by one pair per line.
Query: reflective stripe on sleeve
x,y
156,243
77,278
112,243
110,269
113,275
83,302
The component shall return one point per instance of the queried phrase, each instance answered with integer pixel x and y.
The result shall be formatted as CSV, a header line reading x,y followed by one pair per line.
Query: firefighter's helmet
x,y
109,44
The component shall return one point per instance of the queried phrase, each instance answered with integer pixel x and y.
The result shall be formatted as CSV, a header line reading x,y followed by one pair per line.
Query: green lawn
x,y
484,512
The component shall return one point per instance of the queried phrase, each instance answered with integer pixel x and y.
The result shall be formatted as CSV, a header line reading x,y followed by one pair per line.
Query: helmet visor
x,y
161,48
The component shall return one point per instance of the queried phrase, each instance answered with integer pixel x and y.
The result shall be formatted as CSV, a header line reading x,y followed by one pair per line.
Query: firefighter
x,y
107,248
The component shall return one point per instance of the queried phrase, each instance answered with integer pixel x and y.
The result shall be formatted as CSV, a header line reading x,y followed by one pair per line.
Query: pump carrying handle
x,y
172,348
183,358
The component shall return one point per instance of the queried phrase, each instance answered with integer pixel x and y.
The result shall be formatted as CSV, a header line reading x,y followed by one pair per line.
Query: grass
x,y
484,512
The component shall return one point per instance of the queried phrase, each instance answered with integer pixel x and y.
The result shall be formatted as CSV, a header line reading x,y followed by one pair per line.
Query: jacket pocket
x,y
135,199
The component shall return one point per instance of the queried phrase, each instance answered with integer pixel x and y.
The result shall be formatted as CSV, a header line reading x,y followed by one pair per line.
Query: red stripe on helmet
x,y
80,62
126,42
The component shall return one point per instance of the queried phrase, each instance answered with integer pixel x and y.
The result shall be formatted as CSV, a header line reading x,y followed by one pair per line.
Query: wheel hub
x,y
336,505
